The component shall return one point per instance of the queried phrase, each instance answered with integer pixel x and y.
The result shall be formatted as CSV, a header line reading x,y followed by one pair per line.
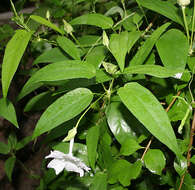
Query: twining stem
x,y
150,141
185,23
189,150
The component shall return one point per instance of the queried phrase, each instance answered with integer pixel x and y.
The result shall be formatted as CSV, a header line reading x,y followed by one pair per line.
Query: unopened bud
x,y
183,3
67,27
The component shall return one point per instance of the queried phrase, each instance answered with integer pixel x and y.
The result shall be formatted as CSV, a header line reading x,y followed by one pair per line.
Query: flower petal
x,y
56,154
69,166
57,165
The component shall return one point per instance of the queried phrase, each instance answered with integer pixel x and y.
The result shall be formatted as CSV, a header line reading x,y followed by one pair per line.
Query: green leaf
x,y
50,56
4,148
13,54
7,111
99,182
117,119
164,8
129,147
92,142
132,39
192,159
22,143
181,165
173,50
118,46
9,166
96,56
94,19
148,110
40,102
146,48
123,171
45,22
155,161
56,72
69,47
63,109
153,70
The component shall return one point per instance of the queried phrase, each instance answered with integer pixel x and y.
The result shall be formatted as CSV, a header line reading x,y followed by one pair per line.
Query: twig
x,y
167,109
189,150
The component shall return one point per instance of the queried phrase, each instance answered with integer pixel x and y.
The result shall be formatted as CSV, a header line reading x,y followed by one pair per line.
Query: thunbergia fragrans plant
x,y
113,78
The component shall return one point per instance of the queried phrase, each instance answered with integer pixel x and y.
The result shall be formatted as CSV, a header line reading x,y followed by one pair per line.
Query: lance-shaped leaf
x,y
173,50
119,46
63,109
45,22
146,48
69,47
56,72
13,54
148,110
7,111
94,19
164,8
153,70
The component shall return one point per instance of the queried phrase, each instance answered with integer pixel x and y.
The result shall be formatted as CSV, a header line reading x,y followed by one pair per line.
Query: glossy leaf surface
x,y
94,19
119,46
56,72
173,50
69,47
146,48
155,161
63,109
152,70
99,182
148,110
13,54
164,8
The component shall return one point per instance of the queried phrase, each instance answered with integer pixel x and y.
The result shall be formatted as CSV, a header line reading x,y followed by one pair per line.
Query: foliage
x,y
115,78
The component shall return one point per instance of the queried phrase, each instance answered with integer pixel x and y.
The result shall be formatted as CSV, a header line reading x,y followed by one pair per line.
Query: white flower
x,y
68,162
178,75
183,3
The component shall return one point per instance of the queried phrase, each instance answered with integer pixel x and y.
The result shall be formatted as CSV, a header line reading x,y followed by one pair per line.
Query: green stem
x,y
192,34
78,43
185,23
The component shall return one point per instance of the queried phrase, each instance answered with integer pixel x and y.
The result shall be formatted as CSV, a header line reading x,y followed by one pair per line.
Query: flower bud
x,y
183,3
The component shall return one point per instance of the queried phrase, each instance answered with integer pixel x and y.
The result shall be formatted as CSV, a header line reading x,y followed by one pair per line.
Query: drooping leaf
x,y
45,22
7,111
155,161
9,166
58,71
13,54
99,182
118,46
69,47
50,56
63,109
173,50
146,48
92,142
164,8
148,110
153,70
94,19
